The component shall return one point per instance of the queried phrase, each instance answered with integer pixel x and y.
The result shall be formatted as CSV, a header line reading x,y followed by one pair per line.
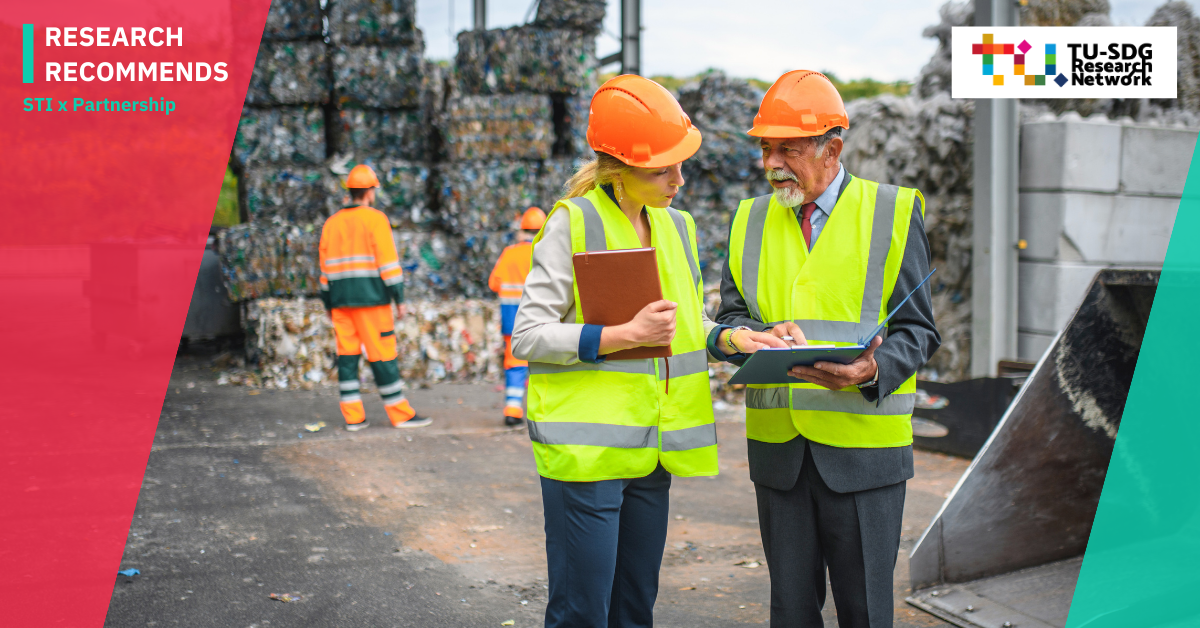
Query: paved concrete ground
x,y
437,526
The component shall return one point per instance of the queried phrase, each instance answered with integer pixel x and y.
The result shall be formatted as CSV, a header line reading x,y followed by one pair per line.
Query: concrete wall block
x,y
1120,229
1049,293
1040,223
1032,345
1067,155
1155,160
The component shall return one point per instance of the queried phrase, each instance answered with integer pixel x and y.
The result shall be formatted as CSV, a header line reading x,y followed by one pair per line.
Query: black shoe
x,y
416,421
354,427
512,421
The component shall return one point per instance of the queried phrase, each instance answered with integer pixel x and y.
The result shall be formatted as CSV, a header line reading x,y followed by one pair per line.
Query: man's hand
x,y
748,341
838,376
400,310
789,328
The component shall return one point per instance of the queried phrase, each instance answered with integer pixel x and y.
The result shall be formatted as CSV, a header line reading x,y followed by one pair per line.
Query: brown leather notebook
x,y
614,286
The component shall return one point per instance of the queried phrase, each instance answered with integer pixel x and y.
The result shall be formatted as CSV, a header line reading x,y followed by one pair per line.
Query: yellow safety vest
x,y
615,419
837,293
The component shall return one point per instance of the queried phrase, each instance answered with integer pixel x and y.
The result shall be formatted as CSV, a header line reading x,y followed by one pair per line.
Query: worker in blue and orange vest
x,y
360,279
508,280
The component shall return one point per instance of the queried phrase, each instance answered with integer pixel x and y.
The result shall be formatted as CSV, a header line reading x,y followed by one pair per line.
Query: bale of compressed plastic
x,y
510,126
579,15
394,133
289,73
430,260
281,135
292,193
525,59
404,191
552,179
378,76
485,195
358,22
290,20
290,344
478,252
290,341
575,122
265,259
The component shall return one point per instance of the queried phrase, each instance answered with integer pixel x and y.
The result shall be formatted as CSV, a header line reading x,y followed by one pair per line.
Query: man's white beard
x,y
789,197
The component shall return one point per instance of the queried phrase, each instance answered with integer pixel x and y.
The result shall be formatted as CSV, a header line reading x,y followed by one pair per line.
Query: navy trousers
x,y
604,547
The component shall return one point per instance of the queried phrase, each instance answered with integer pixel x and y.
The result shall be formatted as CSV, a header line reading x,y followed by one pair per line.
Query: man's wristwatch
x,y
871,384
729,338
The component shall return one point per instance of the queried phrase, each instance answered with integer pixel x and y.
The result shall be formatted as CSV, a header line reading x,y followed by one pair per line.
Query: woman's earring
x,y
620,194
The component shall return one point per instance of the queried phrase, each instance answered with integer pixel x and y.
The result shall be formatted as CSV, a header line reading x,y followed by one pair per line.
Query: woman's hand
x,y
788,328
654,326
747,341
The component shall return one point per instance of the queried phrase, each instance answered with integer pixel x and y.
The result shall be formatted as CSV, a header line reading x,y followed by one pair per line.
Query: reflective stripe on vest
x,y
776,397
680,365
621,436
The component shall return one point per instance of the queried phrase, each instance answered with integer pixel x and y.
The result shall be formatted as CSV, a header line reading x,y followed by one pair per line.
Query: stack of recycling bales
x,y
728,167
514,127
281,140
381,117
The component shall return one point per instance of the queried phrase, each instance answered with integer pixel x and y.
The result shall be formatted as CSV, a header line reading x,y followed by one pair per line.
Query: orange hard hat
x,y
533,219
639,122
802,103
362,176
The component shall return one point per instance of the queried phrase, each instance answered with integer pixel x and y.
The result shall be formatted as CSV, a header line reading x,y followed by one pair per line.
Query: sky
x,y
878,39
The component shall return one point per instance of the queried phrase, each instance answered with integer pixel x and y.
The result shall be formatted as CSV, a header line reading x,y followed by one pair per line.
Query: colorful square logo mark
x,y
989,49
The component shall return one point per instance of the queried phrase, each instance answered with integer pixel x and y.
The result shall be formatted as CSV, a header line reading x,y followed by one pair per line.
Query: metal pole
x,y
994,253
631,36
480,15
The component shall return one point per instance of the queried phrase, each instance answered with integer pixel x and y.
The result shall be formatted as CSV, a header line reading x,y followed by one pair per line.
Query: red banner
x,y
116,126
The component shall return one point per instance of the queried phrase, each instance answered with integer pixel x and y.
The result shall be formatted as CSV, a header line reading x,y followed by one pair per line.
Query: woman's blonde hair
x,y
599,171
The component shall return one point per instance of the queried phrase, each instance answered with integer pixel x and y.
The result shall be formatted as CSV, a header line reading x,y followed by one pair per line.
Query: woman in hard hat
x,y
508,280
608,435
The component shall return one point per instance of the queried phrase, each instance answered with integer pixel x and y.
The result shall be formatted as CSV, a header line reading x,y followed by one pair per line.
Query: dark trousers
x,y
604,547
856,534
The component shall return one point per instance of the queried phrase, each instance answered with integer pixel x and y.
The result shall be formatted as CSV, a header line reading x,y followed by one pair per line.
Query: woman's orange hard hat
x,y
802,103
639,122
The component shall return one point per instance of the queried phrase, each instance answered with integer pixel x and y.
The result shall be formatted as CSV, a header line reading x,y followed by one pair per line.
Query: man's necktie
x,y
806,212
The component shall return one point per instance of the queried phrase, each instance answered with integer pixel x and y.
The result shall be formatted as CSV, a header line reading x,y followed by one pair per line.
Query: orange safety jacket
x,y
508,277
359,265
508,280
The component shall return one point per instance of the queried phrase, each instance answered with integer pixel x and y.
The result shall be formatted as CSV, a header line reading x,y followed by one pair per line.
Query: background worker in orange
x,y
508,280
360,278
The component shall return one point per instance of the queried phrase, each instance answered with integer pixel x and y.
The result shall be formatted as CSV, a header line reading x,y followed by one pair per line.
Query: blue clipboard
x,y
771,366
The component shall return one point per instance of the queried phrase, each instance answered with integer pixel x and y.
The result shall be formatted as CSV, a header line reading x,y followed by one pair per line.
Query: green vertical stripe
x,y
1143,557
27,53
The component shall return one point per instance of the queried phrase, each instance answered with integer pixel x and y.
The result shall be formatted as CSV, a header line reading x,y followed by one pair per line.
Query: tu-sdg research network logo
x,y
1063,62
82,39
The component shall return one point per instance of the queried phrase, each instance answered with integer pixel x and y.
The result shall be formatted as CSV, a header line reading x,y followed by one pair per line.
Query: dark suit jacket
x,y
911,340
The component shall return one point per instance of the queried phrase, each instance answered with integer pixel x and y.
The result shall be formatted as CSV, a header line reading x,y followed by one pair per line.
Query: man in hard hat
x,y
360,279
508,280
823,259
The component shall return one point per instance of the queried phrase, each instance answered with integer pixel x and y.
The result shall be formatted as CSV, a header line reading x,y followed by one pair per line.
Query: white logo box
x,y
1117,61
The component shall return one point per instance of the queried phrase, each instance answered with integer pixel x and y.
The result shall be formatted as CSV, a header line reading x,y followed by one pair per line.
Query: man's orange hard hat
x,y
639,122
802,103
533,219
362,176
